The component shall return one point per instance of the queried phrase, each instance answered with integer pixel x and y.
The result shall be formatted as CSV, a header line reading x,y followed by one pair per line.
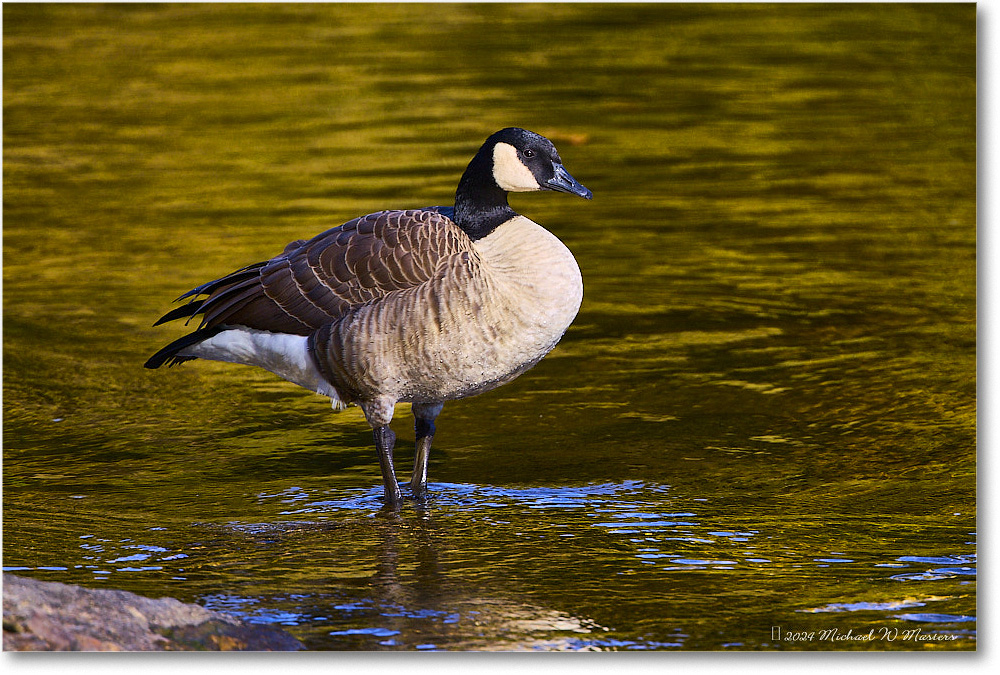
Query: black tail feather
x,y
188,310
234,297
169,354
248,272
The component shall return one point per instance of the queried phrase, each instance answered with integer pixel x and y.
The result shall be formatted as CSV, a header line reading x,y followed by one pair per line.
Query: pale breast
x,y
535,282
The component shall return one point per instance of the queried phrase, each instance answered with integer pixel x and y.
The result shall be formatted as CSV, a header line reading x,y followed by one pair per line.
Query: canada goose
x,y
421,306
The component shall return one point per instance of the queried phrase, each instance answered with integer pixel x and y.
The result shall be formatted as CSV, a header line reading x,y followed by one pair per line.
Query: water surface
x,y
761,426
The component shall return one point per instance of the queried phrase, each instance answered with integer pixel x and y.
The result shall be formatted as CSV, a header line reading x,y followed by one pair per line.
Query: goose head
x,y
524,161
511,160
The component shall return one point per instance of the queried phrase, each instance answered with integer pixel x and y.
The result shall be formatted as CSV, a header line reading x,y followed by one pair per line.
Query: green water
x,y
764,415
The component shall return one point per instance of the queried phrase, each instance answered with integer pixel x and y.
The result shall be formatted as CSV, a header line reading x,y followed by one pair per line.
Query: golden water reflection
x,y
771,383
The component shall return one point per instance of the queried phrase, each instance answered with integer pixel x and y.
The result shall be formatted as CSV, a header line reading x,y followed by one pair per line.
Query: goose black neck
x,y
480,204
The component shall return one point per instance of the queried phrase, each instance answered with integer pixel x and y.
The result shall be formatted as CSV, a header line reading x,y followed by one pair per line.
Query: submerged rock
x,y
49,616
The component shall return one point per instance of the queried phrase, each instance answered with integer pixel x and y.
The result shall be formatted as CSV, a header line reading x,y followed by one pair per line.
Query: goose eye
x,y
528,152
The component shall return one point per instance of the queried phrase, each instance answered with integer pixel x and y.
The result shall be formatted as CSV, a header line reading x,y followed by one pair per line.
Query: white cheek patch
x,y
509,172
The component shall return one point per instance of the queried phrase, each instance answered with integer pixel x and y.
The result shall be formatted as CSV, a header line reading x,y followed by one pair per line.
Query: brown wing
x,y
313,282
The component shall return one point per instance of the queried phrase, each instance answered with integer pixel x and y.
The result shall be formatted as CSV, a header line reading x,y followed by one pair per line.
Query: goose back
x,y
314,282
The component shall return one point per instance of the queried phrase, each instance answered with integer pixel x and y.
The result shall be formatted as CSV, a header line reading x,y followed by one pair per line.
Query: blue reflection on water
x,y
466,496
377,632
935,618
252,610
958,566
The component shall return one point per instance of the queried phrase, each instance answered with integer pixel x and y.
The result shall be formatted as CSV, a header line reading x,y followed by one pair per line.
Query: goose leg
x,y
378,412
385,439
424,415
